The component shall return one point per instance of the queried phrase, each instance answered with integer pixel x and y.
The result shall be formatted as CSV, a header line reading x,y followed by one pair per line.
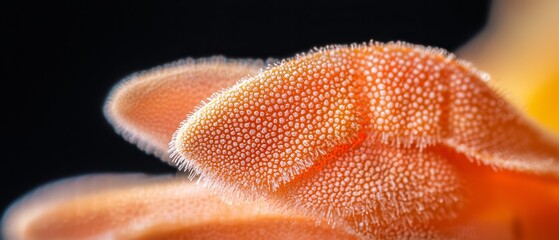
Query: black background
x,y
61,60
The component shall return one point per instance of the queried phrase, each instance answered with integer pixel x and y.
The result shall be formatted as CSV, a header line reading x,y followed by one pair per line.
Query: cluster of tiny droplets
x,y
383,184
347,132
405,94
266,130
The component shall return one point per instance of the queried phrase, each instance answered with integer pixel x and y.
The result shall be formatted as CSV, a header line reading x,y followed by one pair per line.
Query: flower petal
x,y
268,132
137,206
147,107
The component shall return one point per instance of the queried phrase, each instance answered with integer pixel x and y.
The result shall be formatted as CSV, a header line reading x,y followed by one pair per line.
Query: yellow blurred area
x,y
543,103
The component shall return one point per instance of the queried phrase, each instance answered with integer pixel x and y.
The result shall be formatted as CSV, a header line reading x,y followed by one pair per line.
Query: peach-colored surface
x,y
354,135
146,207
147,107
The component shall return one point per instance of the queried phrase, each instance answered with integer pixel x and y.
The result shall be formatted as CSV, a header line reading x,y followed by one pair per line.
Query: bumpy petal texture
x,y
147,107
137,206
378,138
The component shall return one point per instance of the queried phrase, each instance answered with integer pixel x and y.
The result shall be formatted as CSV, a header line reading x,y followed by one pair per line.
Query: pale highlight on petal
x,y
137,206
147,107
348,133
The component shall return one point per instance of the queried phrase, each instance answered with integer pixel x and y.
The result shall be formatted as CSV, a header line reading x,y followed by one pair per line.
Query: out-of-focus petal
x,y
137,206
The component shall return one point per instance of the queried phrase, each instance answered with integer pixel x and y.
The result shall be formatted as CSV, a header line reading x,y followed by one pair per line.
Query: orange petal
x,y
379,190
147,107
511,205
136,206
267,132
487,128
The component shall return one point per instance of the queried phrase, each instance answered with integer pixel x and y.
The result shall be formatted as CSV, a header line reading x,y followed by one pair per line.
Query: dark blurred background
x,y
61,60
